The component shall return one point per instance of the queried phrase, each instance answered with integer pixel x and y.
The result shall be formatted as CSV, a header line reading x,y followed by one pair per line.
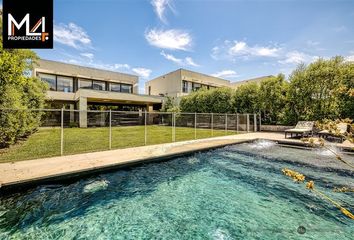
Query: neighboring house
x,y
82,88
181,82
235,85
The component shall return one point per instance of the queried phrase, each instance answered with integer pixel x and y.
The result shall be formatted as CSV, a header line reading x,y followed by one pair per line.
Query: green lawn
x,y
46,142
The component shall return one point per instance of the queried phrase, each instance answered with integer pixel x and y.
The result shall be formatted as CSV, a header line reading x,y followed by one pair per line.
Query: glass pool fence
x,y
64,132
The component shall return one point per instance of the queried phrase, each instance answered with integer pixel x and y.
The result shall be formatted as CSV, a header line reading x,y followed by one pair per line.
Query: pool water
x,y
236,192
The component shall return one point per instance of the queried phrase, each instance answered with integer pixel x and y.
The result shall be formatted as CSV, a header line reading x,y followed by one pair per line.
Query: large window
x,y
65,84
196,86
99,85
86,84
188,87
114,87
184,86
126,88
50,79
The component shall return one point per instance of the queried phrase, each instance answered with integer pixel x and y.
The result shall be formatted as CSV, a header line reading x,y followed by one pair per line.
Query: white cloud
x,y
121,66
72,35
160,7
188,61
349,58
296,57
173,39
312,43
90,56
142,72
241,50
226,74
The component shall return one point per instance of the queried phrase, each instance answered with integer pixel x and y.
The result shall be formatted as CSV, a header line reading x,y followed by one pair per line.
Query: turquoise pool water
x,y
236,192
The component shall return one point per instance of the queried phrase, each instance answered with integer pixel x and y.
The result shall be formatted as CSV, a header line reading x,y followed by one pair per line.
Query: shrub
x,y
18,91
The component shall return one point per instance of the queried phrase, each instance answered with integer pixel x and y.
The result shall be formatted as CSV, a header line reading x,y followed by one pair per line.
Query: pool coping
x,y
90,163
70,176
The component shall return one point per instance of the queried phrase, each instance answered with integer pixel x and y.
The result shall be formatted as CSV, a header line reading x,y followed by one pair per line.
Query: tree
x,y
246,98
272,99
346,90
320,90
169,105
18,91
204,101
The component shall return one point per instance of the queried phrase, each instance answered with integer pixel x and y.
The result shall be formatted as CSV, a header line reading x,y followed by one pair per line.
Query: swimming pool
x,y
233,192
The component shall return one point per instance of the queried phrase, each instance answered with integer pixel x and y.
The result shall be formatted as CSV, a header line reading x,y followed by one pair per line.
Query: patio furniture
x,y
303,128
342,129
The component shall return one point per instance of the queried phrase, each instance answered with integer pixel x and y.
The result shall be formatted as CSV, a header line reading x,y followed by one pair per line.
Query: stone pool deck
x,y
54,168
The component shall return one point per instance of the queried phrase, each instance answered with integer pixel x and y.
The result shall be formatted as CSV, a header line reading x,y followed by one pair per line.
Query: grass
x,y
46,142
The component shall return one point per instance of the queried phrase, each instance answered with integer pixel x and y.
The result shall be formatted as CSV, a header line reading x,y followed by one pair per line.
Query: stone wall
x,y
275,128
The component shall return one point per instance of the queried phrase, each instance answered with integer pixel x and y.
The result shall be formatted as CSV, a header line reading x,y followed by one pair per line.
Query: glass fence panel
x,y
204,123
219,125
185,126
85,131
242,122
128,129
159,128
73,131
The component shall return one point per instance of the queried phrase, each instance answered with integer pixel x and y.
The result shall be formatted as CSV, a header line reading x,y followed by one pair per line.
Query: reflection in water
x,y
96,186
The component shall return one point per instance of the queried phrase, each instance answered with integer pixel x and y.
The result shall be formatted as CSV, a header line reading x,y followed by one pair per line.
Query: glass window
x,y
184,86
50,79
86,84
190,87
126,88
196,86
65,84
99,85
114,87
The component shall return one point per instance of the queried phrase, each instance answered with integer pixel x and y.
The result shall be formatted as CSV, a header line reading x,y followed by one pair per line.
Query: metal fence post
x,y
255,122
62,132
237,122
226,124
212,124
110,129
195,125
145,129
174,127
248,122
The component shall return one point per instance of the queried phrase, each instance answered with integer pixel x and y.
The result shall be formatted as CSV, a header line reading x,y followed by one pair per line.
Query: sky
x,y
231,39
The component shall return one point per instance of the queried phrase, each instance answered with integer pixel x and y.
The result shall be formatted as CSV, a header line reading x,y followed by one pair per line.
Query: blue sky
x,y
231,39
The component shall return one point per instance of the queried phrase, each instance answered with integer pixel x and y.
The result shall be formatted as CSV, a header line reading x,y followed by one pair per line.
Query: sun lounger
x,y
303,128
341,131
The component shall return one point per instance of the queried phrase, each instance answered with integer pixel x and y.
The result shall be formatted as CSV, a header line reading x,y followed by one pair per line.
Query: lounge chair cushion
x,y
305,125
302,127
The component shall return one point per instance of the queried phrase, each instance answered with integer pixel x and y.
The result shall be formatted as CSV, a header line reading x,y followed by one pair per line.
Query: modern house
x,y
181,82
82,88
257,80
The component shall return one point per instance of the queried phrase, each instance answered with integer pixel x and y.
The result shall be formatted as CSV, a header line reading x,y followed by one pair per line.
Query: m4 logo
x,y
13,24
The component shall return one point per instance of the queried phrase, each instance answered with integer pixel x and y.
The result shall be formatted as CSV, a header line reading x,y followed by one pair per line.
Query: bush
x,y
322,89
216,100
18,91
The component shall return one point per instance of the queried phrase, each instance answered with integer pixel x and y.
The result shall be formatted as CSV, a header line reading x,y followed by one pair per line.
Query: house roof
x,y
251,80
67,69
